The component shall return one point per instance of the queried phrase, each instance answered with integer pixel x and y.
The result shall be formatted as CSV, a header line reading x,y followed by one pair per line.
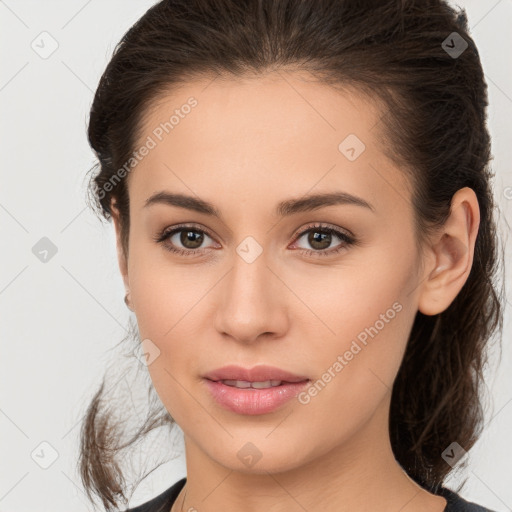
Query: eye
x,y
189,236
186,240
320,237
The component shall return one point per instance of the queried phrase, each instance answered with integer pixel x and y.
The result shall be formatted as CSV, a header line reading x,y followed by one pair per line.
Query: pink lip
x,y
253,401
259,373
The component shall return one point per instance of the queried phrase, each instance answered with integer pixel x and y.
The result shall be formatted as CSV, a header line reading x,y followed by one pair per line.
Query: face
x,y
323,290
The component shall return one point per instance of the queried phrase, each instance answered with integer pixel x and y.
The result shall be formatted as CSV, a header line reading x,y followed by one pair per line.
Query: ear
x,y
121,256
451,254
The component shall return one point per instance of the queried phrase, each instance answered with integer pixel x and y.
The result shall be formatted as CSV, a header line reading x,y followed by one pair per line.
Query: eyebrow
x,y
284,208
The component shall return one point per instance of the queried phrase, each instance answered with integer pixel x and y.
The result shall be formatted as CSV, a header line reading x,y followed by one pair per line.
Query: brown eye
x,y
320,239
183,240
191,239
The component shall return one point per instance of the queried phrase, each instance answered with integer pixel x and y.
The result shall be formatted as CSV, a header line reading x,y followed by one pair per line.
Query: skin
x,y
246,146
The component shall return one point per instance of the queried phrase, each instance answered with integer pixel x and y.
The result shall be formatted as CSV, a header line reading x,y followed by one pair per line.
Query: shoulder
x,y
456,503
162,502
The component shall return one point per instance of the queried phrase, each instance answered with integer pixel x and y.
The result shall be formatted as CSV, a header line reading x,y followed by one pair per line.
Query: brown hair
x,y
434,128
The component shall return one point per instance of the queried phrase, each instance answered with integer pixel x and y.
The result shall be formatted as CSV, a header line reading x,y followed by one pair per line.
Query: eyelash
x,y
347,240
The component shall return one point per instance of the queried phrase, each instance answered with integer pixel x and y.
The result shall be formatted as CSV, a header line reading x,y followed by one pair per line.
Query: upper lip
x,y
261,373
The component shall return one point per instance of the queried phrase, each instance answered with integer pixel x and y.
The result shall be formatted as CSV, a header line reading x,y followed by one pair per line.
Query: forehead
x,y
280,132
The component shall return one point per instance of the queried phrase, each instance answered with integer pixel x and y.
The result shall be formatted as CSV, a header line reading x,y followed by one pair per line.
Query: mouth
x,y
253,397
259,390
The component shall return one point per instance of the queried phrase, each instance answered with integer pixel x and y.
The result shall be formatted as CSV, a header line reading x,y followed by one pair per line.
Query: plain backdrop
x,y
59,317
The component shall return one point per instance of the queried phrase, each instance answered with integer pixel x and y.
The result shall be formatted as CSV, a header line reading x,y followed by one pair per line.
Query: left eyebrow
x,y
284,208
316,201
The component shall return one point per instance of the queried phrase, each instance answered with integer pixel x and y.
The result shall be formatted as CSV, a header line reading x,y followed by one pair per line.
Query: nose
x,y
252,302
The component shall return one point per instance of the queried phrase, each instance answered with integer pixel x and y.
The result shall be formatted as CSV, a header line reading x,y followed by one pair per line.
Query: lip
x,y
258,373
253,401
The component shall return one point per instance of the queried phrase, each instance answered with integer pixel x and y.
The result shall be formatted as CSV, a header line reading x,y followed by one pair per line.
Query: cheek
x,y
165,295
165,318
168,300
357,366
369,341
366,315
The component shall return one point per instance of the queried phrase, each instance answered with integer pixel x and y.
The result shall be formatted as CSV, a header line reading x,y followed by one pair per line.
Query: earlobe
x,y
453,250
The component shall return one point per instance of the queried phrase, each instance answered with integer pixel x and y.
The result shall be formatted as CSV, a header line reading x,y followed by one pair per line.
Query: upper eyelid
x,y
190,227
322,225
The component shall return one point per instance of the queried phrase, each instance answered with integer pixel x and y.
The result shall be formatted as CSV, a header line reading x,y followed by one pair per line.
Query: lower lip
x,y
251,400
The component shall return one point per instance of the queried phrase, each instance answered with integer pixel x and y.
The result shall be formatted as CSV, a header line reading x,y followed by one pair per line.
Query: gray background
x,y
61,317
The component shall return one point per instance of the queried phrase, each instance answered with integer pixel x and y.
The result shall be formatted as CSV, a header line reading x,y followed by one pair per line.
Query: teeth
x,y
257,385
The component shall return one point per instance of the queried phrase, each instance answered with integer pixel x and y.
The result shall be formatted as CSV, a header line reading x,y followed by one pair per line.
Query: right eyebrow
x,y
182,201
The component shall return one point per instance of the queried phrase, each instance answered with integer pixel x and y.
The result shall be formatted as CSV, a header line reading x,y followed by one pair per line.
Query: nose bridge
x,y
250,303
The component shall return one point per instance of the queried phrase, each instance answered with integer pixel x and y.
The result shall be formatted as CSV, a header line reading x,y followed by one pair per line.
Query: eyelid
x,y
325,226
192,226
347,240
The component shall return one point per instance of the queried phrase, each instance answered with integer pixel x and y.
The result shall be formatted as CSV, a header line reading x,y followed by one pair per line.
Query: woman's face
x,y
261,284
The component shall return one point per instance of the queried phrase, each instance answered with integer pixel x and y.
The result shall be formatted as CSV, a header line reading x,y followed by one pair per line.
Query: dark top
x,y
163,502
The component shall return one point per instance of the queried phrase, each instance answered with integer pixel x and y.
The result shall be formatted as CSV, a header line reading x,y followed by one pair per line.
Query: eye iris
x,y
191,236
316,237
